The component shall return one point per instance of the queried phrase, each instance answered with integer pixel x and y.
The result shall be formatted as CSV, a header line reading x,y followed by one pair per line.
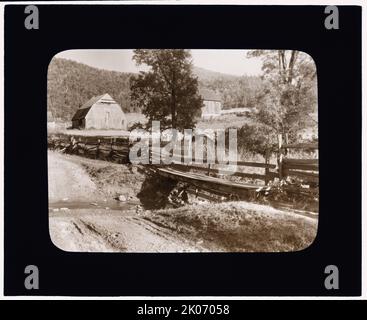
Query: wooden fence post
x,y
77,145
286,142
97,149
267,157
110,155
280,156
72,145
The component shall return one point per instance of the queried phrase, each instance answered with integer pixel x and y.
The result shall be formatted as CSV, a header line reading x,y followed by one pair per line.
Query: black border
x,y
337,54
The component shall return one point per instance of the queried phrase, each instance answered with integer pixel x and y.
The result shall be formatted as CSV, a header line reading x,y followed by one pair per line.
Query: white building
x,y
212,104
101,112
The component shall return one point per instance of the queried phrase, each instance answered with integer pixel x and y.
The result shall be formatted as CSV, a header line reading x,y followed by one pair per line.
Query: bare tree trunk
x,y
292,62
173,101
282,64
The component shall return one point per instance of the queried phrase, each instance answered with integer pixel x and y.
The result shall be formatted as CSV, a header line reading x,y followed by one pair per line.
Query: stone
x,y
122,197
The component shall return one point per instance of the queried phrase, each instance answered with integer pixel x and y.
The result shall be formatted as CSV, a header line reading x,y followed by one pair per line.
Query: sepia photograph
x,y
182,150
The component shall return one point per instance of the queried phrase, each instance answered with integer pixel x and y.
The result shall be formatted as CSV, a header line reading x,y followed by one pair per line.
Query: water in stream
x,y
109,204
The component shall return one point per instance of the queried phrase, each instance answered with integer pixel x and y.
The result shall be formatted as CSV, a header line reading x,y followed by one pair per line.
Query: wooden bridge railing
x,y
306,169
202,165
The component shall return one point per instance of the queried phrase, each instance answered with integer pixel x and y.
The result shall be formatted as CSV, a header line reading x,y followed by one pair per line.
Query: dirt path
x,y
67,180
86,230
95,228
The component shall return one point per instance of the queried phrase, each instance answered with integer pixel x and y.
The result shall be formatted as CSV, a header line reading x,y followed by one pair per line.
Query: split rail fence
x,y
116,149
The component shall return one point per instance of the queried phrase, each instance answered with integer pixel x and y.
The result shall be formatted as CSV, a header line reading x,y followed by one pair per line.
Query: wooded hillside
x,y
70,84
236,92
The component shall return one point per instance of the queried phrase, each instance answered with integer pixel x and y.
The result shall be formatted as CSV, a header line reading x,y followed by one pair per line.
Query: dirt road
x,y
68,180
98,230
95,228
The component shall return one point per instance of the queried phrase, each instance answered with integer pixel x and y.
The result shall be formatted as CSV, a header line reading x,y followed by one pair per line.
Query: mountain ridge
x,y
198,71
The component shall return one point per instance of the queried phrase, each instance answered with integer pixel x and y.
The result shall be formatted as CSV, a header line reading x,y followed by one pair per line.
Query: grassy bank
x,y
239,226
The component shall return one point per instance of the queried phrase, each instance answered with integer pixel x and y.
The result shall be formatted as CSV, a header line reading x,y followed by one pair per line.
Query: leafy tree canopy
x,y
290,90
288,99
168,92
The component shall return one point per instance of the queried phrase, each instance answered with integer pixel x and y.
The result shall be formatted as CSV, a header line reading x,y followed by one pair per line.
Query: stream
x,y
106,205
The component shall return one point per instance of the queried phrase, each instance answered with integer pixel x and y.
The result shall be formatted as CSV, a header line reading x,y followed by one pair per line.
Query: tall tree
x,y
290,90
168,91
287,101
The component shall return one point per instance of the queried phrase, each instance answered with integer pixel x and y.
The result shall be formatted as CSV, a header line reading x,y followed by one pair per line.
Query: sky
x,y
224,61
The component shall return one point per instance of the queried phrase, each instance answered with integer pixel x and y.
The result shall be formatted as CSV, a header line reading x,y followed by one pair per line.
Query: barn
x,y
212,104
101,112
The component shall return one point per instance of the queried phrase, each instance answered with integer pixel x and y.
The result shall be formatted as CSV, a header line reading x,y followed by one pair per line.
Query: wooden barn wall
x,y
96,117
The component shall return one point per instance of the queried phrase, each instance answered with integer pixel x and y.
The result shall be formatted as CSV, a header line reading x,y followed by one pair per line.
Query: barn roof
x,y
92,101
81,113
84,109
209,95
